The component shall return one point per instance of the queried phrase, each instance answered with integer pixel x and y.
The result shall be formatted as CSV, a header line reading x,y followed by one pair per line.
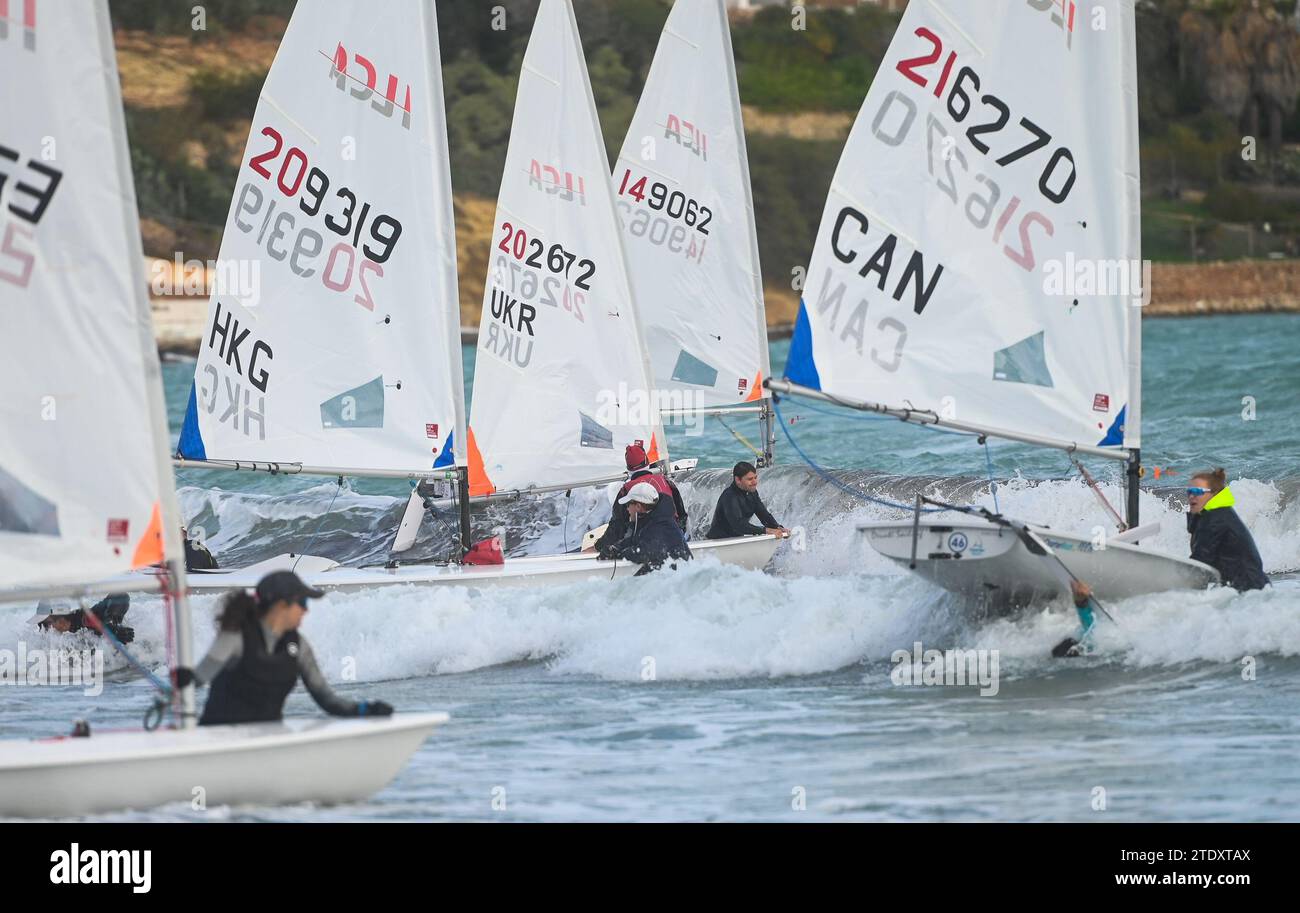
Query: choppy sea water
x,y
721,694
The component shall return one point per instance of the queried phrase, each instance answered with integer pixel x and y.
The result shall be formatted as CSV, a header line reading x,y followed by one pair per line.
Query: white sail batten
x,y
344,349
979,253
683,192
561,380
81,369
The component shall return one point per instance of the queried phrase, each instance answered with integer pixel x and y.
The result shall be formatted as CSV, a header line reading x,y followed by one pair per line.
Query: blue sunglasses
x,y
1198,491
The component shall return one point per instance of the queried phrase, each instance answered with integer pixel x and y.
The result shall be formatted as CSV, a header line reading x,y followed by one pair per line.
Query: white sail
x,y
683,191
86,488
978,250
345,352
561,381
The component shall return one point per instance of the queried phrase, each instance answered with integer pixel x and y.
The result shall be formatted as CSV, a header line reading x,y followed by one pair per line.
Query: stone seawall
x,y
1177,290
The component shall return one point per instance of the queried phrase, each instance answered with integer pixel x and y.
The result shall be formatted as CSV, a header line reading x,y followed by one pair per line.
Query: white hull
x,y
302,760
990,564
752,552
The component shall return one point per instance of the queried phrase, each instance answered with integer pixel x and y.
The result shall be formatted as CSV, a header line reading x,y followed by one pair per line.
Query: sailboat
x,y
994,159
364,379
684,196
82,369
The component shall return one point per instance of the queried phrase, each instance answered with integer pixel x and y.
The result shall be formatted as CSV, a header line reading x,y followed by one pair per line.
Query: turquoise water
x,y
771,696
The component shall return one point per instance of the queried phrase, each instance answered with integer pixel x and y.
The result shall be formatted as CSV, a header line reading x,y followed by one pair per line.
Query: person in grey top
x,y
259,655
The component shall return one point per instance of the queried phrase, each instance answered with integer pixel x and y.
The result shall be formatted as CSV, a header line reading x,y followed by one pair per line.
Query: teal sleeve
x,y
1087,620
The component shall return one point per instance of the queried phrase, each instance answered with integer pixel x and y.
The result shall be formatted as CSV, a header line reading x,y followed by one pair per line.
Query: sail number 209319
x,y
351,259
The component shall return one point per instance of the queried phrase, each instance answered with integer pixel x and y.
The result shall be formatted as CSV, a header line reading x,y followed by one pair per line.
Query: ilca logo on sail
x,y
10,21
1063,15
364,89
568,186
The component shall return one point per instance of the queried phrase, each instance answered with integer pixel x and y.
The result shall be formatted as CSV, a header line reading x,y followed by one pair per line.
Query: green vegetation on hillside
x,y
1211,72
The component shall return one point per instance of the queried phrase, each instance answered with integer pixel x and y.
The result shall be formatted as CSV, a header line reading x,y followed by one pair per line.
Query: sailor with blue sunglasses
x,y
1219,537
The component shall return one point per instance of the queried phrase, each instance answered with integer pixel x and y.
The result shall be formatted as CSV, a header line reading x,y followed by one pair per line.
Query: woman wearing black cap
x,y
259,656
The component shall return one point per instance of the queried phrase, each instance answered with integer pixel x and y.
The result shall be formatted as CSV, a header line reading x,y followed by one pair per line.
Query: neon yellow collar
x,y
1222,499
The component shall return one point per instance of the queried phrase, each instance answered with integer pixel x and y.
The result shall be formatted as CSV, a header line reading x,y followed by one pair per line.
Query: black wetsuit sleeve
x,y
318,688
733,511
769,521
680,504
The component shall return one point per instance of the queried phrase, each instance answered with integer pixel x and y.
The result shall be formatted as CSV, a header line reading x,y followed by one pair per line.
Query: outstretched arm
x,y
765,515
319,689
679,503
736,520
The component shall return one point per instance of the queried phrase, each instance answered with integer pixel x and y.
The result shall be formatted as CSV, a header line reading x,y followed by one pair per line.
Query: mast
x,y
1132,170
768,423
175,589
607,191
450,286
766,420
462,492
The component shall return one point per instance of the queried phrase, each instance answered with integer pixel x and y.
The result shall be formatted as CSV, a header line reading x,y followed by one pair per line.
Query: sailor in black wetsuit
x,y
197,556
109,614
738,503
1219,538
259,656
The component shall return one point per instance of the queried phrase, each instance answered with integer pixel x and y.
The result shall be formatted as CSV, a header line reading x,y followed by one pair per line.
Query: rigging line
x,y
95,624
993,484
739,437
568,500
453,532
826,476
1101,496
318,524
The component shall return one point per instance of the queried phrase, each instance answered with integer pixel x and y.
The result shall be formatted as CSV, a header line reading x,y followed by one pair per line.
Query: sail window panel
x,y
360,407
24,511
1023,363
695,371
594,434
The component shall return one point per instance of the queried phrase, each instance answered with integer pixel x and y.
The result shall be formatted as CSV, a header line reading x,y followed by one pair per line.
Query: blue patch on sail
x,y
191,443
1023,363
360,407
801,367
22,510
692,370
1115,435
448,455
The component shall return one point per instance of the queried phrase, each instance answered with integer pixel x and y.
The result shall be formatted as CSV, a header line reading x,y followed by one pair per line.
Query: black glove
x,y
374,708
182,677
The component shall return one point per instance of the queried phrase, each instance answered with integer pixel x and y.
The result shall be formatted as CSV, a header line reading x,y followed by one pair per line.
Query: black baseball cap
x,y
285,585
